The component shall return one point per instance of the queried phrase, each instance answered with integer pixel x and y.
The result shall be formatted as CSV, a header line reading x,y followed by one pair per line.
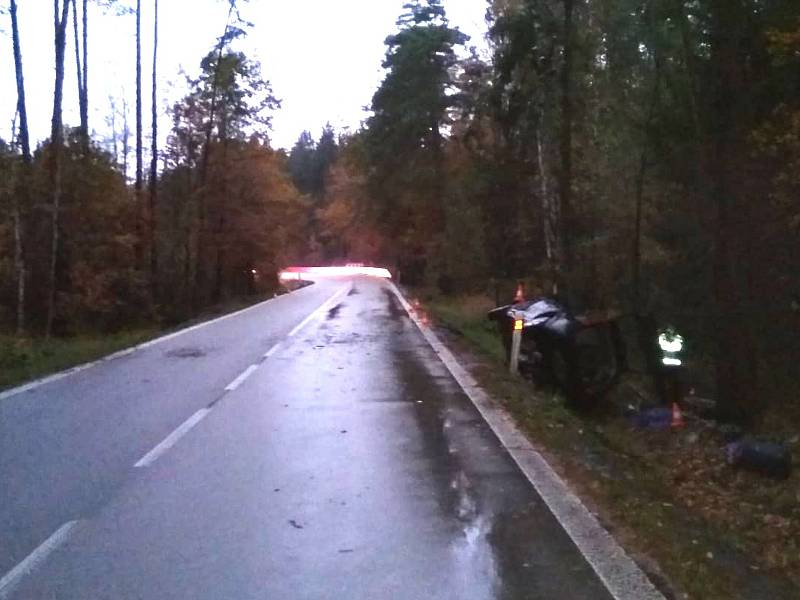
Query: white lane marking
x,y
619,573
72,371
172,439
272,351
241,378
322,309
15,576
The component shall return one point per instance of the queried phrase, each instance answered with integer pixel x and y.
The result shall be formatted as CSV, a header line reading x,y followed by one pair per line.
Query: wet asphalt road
x,y
348,465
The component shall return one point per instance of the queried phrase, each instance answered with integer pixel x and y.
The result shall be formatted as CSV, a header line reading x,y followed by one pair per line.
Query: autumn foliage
x,y
226,218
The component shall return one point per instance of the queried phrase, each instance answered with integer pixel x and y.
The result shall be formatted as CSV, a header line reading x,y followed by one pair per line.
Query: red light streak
x,y
296,273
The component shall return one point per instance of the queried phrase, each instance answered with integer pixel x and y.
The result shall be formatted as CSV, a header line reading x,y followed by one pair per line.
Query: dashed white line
x,y
619,573
15,576
241,378
272,351
172,439
321,310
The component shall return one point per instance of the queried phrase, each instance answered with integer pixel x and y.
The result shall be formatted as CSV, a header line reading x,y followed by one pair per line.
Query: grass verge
x,y
698,528
26,359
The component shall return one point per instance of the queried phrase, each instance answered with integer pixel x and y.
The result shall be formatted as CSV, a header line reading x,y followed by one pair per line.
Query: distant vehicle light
x,y
672,362
296,273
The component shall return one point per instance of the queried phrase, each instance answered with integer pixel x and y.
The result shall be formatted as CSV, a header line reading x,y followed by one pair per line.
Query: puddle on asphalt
x,y
334,312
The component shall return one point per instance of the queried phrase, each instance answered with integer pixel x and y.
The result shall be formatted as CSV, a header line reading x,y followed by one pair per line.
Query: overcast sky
x,y
322,56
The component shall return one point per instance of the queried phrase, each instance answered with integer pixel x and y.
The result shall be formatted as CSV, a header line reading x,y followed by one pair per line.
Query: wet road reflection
x,y
505,545
349,465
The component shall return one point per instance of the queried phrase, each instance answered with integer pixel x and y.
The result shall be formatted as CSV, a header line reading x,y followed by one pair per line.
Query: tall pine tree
x,y
406,132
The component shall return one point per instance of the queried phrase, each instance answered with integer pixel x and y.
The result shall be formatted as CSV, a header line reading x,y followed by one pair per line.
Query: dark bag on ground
x,y
766,458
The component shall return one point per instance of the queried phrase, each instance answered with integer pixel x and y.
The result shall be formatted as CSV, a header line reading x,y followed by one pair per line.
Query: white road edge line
x,y
272,351
31,385
241,378
15,576
322,309
619,573
172,439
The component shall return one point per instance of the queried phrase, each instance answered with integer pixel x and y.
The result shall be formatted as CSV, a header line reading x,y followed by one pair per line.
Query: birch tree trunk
x,y
138,182
154,160
550,212
565,176
201,217
640,180
60,19
80,68
21,194
85,78
126,137
737,356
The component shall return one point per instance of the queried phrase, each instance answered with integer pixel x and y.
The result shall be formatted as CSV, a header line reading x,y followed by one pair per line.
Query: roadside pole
x,y
516,343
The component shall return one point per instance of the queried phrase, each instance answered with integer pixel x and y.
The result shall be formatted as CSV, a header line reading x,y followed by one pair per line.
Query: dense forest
x,y
95,239
632,154
637,155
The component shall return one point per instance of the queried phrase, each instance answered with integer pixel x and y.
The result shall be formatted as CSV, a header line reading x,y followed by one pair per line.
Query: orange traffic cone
x,y
677,416
520,295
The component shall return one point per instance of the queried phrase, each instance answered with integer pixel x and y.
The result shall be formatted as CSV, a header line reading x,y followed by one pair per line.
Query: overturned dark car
x,y
582,355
